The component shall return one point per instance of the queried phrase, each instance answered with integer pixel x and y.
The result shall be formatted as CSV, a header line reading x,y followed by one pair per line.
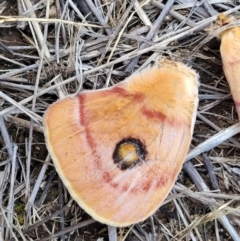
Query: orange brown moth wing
x,y
230,52
119,150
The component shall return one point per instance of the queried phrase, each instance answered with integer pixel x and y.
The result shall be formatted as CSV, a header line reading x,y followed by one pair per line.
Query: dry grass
x,y
56,48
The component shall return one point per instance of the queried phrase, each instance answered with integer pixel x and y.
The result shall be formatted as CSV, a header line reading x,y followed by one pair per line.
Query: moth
x,y
119,150
230,53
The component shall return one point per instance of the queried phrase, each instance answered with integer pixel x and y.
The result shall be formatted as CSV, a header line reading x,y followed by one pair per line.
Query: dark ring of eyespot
x,y
125,158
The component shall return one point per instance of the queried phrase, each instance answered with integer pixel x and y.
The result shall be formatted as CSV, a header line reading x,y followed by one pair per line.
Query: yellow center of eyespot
x,y
127,153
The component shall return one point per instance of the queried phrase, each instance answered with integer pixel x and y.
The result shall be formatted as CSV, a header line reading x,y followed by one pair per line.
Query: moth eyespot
x,y
128,153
